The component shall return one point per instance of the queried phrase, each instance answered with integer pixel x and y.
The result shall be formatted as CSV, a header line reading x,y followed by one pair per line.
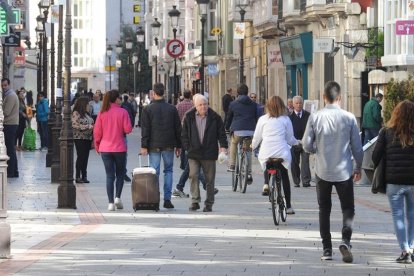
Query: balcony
x,y
263,17
292,13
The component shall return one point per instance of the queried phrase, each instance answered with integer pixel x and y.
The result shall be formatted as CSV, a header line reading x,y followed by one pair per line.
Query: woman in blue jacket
x,y
42,113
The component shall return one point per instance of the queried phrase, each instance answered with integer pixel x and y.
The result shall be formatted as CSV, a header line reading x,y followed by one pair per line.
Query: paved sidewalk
x,y
239,237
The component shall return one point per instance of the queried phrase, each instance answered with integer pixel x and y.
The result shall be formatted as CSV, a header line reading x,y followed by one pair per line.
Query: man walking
x,y
202,132
372,120
134,105
10,125
299,118
332,134
161,134
225,102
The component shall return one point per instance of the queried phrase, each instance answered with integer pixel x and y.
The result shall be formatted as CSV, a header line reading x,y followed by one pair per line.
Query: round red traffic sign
x,y
175,48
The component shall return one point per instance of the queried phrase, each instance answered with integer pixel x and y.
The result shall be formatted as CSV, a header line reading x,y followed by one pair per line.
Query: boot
x,y
84,179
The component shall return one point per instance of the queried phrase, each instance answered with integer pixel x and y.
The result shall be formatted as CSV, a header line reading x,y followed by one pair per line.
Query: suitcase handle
x,y
140,161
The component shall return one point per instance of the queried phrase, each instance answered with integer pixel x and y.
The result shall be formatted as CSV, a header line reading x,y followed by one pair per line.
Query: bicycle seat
x,y
274,162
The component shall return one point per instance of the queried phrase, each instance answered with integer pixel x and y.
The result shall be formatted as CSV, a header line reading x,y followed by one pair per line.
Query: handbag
x,y
379,184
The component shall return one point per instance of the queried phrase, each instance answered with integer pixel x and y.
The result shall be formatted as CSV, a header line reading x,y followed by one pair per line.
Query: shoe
x,y
327,254
231,168
79,180
45,149
126,178
297,185
118,203
208,209
345,249
216,191
168,204
265,190
85,180
111,207
306,185
249,179
179,193
290,211
194,207
405,258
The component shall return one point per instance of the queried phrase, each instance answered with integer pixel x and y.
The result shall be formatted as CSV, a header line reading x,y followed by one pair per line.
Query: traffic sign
x,y
15,18
4,28
404,27
175,48
13,40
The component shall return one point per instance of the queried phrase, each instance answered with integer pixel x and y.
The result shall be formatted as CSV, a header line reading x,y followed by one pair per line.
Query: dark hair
x,y
379,95
332,91
187,94
109,97
275,107
159,89
81,105
126,97
40,94
5,79
404,129
242,89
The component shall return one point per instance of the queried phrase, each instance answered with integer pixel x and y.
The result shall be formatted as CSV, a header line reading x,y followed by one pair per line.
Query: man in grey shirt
x,y
332,134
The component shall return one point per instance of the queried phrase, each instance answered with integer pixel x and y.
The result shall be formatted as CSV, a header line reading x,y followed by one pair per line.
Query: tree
x,y
397,91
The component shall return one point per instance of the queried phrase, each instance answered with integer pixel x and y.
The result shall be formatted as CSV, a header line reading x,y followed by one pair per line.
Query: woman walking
x,y
112,125
396,144
82,124
22,120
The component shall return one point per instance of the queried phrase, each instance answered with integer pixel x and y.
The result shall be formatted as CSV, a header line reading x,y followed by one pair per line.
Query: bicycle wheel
x,y
243,173
281,201
273,201
235,174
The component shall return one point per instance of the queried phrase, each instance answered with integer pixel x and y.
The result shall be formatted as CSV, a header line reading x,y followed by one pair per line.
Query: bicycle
x,y
276,197
241,171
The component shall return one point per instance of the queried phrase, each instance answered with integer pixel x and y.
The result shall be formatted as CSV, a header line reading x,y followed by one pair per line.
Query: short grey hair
x,y
199,97
298,98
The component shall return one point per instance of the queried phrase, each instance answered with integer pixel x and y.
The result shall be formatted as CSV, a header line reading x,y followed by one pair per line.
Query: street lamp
x,y
109,54
202,10
156,26
118,50
174,15
242,5
140,39
39,36
128,43
134,62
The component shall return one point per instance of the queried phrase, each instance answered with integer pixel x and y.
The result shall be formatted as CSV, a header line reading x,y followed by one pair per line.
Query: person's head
x,y
229,91
125,97
275,107
5,84
332,92
23,89
253,96
242,90
96,97
159,90
404,128
290,103
40,96
81,105
131,96
21,94
109,98
297,103
379,97
201,104
187,94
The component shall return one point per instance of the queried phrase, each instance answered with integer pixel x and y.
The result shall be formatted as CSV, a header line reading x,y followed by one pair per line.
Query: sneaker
x,y
168,204
216,191
290,211
79,180
194,207
297,185
327,254
306,185
85,180
126,178
179,193
208,209
249,179
111,207
345,249
405,258
265,190
118,203
231,168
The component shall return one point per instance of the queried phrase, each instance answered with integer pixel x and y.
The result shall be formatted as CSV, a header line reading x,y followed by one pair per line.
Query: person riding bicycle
x,y
241,121
274,135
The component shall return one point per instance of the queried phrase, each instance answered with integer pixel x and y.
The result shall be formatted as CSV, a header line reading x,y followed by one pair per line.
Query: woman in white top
x,y
274,135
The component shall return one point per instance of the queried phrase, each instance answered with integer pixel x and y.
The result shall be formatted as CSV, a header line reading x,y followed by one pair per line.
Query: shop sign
x,y
322,45
239,30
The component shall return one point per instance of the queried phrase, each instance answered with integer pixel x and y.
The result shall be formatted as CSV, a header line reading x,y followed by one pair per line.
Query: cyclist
x,y
275,133
241,121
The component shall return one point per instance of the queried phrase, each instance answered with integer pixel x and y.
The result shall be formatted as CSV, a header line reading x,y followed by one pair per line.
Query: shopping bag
x,y
29,139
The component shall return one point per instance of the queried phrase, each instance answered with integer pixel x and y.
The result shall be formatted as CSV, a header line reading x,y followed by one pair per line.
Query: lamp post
x,y
109,54
118,50
66,189
156,26
134,62
39,37
202,9
44,5
128,46
242,5
140,39
174,15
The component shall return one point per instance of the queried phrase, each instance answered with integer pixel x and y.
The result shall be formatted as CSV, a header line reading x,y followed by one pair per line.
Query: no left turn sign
x,y
175,48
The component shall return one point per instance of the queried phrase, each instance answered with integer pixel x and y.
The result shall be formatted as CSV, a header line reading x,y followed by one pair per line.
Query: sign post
x,y
404,27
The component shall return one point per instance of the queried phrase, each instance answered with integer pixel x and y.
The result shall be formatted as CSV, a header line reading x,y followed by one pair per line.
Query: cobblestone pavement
x,y
237,238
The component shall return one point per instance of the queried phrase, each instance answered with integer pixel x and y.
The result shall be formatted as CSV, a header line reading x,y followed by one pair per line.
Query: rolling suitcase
x,y
145,190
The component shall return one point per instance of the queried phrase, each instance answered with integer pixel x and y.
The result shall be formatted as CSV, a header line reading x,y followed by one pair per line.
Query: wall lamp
x,y
355,47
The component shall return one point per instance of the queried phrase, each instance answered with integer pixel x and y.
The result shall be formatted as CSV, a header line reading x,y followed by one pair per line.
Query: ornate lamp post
x,y
134,62
39,37
202,9
128,46
118,50
140,39
156,26
242,5
109,55
174,14
44,5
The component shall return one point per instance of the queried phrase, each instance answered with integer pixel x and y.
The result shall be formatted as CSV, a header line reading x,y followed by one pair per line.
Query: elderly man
x,y
202,131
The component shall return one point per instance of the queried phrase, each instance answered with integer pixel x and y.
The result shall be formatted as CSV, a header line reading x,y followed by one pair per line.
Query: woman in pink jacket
x,y
111,127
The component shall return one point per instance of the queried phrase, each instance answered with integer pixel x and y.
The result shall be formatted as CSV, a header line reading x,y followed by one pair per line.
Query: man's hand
x,y
357,176
177,152
144,151
223,150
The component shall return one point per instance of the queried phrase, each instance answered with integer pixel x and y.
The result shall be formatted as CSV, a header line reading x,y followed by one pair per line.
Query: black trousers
x,y
83,148
20,131
285,183
345,190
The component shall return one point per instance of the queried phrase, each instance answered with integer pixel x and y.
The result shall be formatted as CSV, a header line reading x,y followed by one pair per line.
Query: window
x,y
211,20
296,4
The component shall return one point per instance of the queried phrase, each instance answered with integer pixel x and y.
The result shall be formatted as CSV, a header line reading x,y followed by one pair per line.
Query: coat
x,y
372,115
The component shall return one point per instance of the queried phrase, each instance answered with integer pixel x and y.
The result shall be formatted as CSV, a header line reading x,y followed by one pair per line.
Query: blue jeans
x,y
370,133
186,173
397,195
114,163
43,131
155,162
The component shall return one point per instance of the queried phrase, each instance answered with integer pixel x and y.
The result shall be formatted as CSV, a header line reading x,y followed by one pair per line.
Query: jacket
x,y
160,126
399,162
42,110
213,135
242,114
10,108
299,124
372,115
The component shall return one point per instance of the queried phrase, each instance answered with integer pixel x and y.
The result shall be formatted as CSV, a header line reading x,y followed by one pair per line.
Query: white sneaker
x,y
290,211
111,207
118,203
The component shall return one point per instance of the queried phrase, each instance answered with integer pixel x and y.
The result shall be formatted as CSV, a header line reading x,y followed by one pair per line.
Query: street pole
x,y
241,72
66,189
39,71
55,170
45,12
110,73
52,114
203,22
175,72
156,68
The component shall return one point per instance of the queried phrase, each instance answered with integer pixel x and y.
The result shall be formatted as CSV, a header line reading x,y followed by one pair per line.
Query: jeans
x,y
10,132
370,133
397,195
155,162
233,151
43,132
83,147
209,167
114,163
186,173
345,190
